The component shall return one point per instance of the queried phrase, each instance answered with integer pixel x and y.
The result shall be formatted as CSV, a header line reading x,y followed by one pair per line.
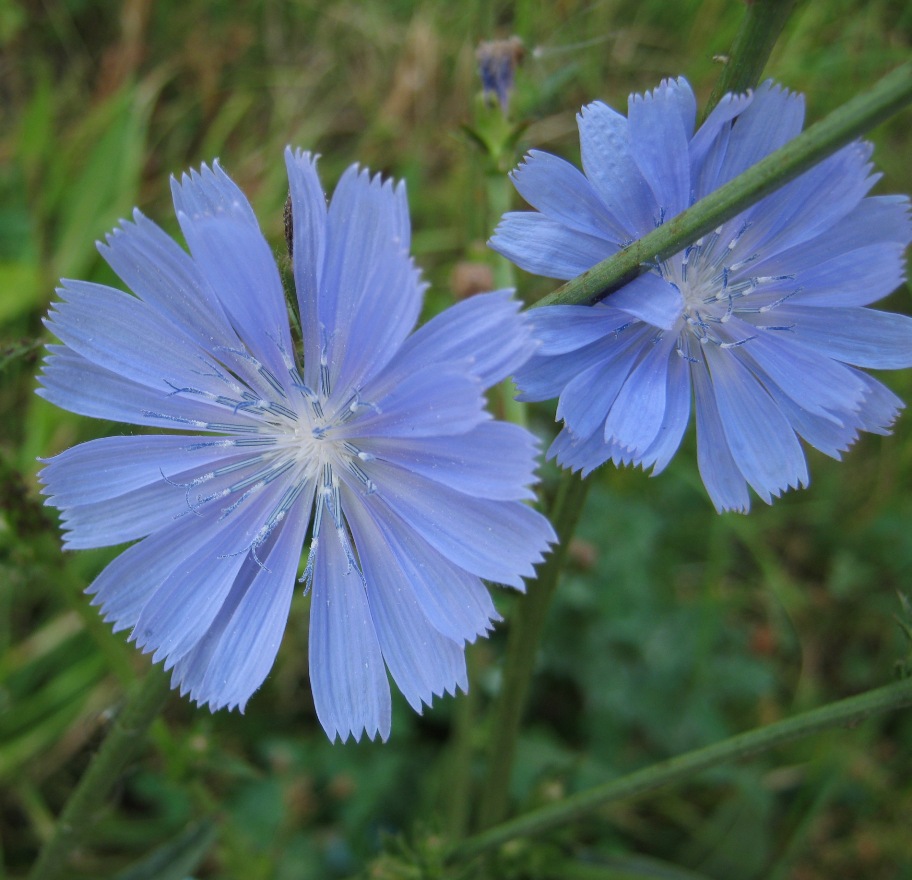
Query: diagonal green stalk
x,y
525,633
763,22
890,95
120,746
844,713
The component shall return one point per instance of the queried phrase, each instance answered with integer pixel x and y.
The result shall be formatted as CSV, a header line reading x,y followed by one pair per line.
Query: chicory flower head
x,y
497,63
762,322
373,438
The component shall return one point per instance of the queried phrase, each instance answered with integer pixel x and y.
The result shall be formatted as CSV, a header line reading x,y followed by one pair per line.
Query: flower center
x,y
715,285
278,429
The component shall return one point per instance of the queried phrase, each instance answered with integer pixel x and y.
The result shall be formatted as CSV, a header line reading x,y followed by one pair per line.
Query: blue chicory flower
x,y
763,321
377,439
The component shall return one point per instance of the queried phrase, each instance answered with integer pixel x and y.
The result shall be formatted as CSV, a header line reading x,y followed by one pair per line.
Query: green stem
x,y
845,713
762,24
499,192
843,125
124,740
522,643
458,776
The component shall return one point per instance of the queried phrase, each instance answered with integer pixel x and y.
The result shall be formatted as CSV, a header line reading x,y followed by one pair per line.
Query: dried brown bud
x,y
468,278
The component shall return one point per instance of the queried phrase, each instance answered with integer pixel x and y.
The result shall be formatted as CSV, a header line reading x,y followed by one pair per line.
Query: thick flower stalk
x,y
375,440
762,323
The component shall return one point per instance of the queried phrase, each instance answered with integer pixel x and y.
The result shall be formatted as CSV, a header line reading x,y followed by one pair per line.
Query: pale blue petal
x,y
118,332
856,278
210,192
881,409
837,433
660,124
723,479
239,270
815,382
239,265
589,395
863,337
651,299
358,238
545,377
234,656
347,675
760,438
557,189
586,399
828,434
164,277
809,205
456,603
371,292
638,412
381,322
680,98
608,163
367,214
126,584
546,247
499,541
126,337
675,418
76,384
111,466
308,205
434,401
486,335
709,145
560,329
773,117
875,221
423,663
183,607
494,460
584,455
143,510
124,518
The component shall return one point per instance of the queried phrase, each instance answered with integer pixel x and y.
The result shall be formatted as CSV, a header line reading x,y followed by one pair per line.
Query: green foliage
x,y
674,627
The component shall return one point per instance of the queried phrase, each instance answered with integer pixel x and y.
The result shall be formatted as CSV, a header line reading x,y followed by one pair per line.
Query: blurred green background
x,y
674,626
